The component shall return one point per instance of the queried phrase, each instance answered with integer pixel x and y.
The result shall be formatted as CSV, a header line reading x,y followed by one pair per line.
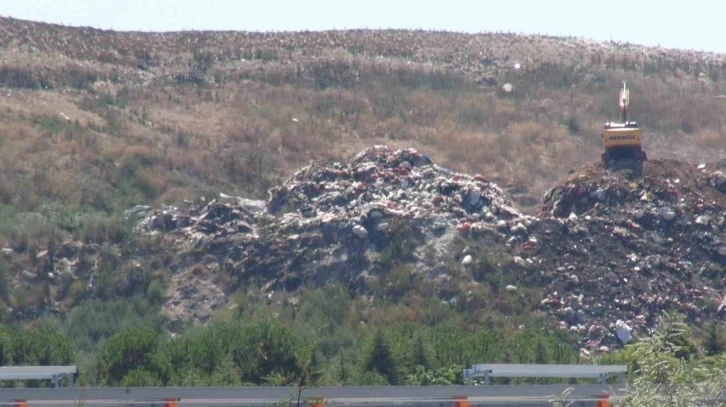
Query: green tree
x,y
714,343
540,353
665,376
6,345
418,356
380,359
265,349
343,370
307,364
128,350
227,373
141,378
44,345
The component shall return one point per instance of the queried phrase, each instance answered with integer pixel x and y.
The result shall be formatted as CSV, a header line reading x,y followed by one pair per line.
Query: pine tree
x,y
380,359
418,358
343,370
713,343
540,353
540,357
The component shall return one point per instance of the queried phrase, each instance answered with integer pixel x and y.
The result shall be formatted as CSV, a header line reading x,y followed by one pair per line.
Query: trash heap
x,y
608,253
380,183
329,221
625,245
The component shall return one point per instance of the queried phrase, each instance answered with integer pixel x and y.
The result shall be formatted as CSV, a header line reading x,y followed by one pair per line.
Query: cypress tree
x,y
713,343
380,359
343,370
418,358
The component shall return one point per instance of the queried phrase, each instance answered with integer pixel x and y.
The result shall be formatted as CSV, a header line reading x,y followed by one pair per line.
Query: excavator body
x,y
622,141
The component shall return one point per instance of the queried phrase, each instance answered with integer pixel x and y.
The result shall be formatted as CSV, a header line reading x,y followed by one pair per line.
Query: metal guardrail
x,y
600,372
424,396
52,373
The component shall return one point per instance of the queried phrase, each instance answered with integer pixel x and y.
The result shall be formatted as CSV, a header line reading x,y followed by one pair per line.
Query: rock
x,y
701,220
28,276
472,199
667,213
243,227
509,211
467,260
375,214
251,205
383,226
137,211
360,231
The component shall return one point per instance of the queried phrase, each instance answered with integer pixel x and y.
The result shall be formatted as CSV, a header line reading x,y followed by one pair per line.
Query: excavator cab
x,y
623,141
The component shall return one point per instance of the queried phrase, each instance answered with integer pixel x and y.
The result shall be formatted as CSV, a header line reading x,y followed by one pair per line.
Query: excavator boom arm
x,y
624,102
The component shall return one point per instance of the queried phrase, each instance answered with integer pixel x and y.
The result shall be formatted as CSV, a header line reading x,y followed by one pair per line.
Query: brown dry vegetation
x,y
158,118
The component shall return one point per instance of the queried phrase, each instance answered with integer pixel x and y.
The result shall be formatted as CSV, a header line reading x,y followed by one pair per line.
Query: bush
x,y
129,351
665,375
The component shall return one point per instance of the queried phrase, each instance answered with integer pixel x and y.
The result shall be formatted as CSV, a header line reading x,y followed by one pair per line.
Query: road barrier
x,y
421,396
601,373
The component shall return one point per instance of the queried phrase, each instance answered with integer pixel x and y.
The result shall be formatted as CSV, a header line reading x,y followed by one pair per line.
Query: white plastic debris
x,y
667,213
622,331
598,194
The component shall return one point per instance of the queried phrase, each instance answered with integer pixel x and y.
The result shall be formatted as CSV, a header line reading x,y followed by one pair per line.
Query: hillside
x,y
354,179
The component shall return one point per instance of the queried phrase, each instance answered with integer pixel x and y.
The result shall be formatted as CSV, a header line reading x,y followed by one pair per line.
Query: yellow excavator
x,y
623,141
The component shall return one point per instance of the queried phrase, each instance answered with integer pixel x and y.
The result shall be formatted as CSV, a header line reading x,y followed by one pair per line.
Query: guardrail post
x,y
21,403
461,401
170,402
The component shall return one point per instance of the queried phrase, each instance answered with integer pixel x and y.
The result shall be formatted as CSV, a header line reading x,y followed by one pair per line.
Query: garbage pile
x,y
380,183
625,245
331,221
608,253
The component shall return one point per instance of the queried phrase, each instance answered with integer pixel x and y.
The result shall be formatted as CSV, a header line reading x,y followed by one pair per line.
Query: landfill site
x,y
609,251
